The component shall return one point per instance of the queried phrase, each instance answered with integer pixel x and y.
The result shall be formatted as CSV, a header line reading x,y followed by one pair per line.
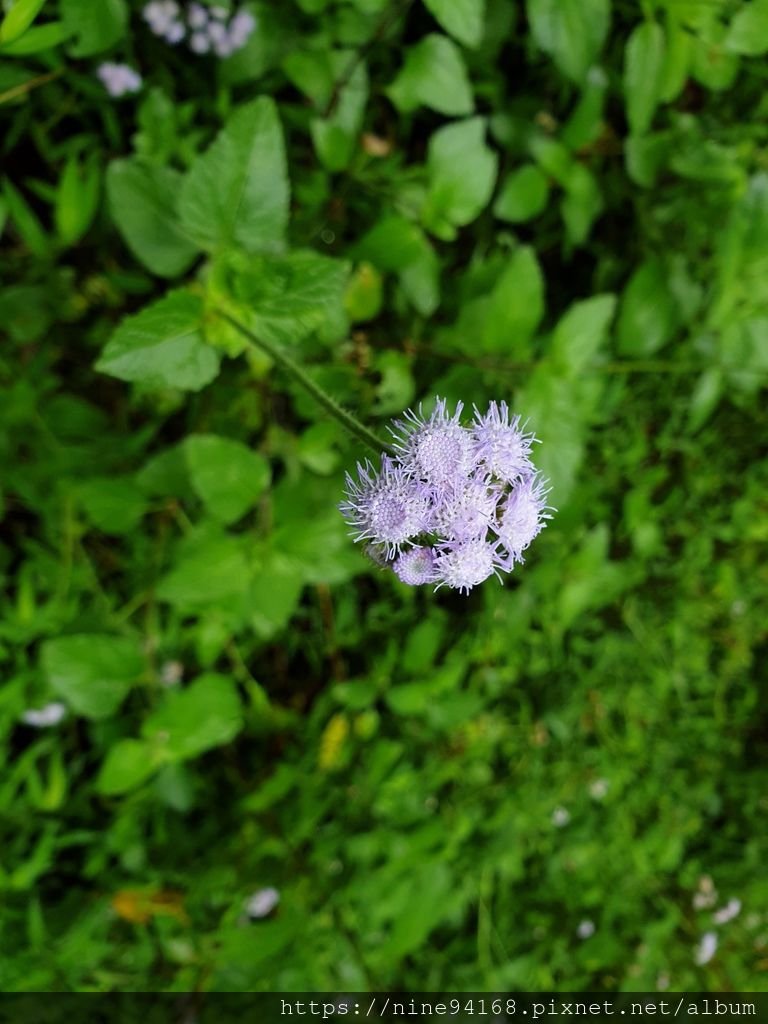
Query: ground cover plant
x,y
237,754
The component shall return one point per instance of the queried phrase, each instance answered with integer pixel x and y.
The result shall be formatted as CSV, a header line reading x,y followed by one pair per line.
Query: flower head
x,y
206,29
118,79
523,514
416,566
388,508
500,444
437,449
452,505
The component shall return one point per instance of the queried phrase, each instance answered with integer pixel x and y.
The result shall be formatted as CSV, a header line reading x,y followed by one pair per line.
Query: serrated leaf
x,y
572,32
643,74
226,475
433,76
142,201
463,19
92,672
162,346
237,191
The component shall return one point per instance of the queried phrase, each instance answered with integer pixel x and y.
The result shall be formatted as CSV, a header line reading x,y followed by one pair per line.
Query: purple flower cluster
x,y
118,79
452,505
205,29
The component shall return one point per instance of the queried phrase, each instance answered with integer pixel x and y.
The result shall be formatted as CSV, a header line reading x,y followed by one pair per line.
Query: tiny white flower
x,y
586,929
706,948
197,16
262,903
171,673
598,789
560,817
728,912
199,42
45,717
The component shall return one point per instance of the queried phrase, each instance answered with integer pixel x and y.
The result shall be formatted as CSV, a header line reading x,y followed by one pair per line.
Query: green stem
x,y
353,425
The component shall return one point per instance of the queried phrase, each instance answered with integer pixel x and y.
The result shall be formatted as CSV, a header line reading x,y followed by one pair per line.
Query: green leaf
x,y
395,244
96,26
433,76
363,297
581,204
227,476
114,504
128,764
572,32
25,221
19,18
77,198
523,195
209,567
143,200
37,39
644,70
582,332
237,191
336,137
274,593
92,672
648,312
748,31
462,174
286,298
463,19
516,306
162,346
206,714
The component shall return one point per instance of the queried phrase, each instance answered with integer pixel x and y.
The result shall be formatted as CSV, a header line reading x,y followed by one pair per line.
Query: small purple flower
x,y
452,505
389,508
500,444
523,514
199,42
437,449
463,564
197,16
118,79
416,566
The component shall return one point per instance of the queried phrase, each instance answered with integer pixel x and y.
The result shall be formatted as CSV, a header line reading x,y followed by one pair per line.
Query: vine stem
x,y
352,424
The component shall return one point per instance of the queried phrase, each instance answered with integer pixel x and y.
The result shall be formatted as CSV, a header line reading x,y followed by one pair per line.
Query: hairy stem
x,y
352,424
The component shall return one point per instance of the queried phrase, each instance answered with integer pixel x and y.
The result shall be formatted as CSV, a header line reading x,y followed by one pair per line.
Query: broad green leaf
x,y
127,765
36,39
523,195
274,593
335,137
162,346
647,313
516,306
19,18
227,475
433,76
286,298
209,567
677,62
463,19
204,715
462,174
114,504
364,294
96,26
572,32
237,191
92,672
748,30
713,65
643,74
143,200
581,332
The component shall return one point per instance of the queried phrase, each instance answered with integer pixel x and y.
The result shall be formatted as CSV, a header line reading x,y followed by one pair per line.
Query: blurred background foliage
x,y
207,692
